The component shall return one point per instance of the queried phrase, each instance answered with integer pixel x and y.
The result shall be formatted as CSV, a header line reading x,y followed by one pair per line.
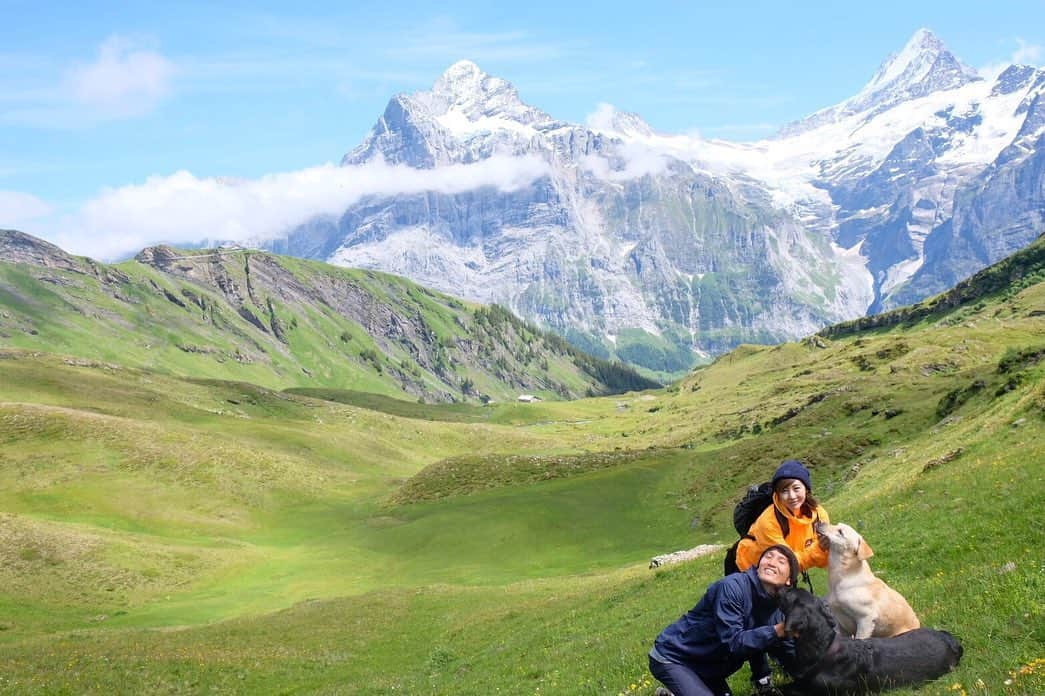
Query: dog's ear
x,y
865,551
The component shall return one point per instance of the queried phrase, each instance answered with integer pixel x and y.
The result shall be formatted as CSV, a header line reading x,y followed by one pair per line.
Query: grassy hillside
x,y
172,535
280,322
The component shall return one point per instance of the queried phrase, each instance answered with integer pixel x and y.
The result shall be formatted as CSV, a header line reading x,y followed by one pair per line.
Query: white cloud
x,y
182,208
635,156
19,210
632,160
602,118
123,81
742,131
1026,54
991,71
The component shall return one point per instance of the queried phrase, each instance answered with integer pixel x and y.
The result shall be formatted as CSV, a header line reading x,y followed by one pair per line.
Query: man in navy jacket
x,y
736,618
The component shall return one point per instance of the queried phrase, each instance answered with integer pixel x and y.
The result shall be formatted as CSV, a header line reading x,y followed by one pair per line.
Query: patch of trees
x,y
615,377
1008,276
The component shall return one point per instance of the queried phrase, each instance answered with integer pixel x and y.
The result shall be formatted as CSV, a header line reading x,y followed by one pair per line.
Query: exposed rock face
x,y
302,324
590,248
1000,210
926,175
17,247
923,67
676,557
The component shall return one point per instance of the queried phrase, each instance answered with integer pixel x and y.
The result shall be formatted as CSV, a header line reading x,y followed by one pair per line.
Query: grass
x,y
161,534
461,413
282,323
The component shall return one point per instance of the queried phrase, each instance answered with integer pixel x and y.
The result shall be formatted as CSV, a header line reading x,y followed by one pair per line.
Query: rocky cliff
x,y
655,247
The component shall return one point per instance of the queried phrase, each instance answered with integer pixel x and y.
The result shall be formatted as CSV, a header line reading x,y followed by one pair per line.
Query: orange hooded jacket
x,y
801,537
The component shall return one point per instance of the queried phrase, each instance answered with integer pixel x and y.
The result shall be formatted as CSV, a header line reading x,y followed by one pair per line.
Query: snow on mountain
x,y
701,244
903,166
464,92
923,67
466,116
920,130
624,124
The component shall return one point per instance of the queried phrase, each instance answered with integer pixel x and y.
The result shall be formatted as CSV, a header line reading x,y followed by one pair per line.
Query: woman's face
x,y
792,493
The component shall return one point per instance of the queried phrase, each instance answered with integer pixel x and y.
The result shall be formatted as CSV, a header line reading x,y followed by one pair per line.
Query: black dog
x,y
830,664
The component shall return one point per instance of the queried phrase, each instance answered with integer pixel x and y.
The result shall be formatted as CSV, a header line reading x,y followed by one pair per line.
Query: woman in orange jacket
x,y
795,509
794,503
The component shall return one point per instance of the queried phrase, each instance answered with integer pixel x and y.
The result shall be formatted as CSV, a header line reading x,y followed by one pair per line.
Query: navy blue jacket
x,y
733,621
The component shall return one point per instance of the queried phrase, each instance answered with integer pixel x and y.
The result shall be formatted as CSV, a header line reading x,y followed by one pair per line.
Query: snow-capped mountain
x,y
901,159
923,67
446,125
649,245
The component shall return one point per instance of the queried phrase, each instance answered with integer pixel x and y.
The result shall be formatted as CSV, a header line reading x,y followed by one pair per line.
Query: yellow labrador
x,y
863,605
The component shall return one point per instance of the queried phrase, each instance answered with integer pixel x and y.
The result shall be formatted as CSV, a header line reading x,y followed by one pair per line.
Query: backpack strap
x,y
782,521
805,573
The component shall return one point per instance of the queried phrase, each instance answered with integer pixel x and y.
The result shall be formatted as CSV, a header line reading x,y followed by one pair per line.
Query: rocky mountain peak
x,y
625,124
926,175
922,67
466,116
18,247
462,79
1013,78
160,256
465,90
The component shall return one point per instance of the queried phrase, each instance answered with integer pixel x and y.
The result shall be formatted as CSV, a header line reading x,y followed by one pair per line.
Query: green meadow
x,y
165,533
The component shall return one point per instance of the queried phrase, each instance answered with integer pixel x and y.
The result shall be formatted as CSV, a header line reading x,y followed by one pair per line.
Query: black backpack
x,y
754,502
757,499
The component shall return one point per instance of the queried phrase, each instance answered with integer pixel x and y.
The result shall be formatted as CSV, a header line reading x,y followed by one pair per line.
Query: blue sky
x,y
98,96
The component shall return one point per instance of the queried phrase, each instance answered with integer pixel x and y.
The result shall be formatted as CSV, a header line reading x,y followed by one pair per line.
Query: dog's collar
x,y
833,649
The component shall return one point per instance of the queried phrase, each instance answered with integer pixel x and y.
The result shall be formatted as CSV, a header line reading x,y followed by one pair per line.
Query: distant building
x,y
528,398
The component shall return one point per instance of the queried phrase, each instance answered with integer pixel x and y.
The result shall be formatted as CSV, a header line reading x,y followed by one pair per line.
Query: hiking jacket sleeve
x,y
732,611
811,555
766,532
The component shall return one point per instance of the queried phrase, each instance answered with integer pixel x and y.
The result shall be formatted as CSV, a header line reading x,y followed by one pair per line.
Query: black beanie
x,y
792,469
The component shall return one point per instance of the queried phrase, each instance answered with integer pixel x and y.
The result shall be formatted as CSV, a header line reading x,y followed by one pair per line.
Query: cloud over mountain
x,y
183,208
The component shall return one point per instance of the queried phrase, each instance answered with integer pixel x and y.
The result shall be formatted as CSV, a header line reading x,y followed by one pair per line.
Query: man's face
x,y
774,569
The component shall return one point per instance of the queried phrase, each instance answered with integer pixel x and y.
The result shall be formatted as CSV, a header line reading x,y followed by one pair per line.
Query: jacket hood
x,y
759,591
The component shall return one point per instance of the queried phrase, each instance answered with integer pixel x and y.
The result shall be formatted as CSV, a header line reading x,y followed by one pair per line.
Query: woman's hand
x,y
779,628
